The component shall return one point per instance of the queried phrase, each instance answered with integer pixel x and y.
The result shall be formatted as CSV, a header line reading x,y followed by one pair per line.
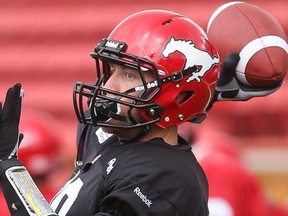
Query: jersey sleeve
x,y
136,198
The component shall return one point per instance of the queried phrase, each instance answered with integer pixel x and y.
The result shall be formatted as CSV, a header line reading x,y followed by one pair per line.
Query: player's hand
x,y
230,89
9,123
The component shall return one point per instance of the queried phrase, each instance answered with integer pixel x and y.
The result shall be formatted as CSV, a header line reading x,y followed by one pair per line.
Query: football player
x,y
155,71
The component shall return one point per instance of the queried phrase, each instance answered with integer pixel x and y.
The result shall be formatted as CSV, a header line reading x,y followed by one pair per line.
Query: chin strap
x,y
106,110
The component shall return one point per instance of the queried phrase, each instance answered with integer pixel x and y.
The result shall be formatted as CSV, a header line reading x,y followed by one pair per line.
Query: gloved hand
x,y
9,123
230,89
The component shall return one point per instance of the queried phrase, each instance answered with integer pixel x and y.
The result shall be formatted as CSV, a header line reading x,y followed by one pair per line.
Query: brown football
x,y
257,36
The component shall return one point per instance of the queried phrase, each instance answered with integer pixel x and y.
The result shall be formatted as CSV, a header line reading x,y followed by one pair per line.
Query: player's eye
x,y
130,75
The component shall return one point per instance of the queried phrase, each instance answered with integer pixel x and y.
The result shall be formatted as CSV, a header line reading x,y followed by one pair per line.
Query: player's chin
x,y
111,130
124,134
115,128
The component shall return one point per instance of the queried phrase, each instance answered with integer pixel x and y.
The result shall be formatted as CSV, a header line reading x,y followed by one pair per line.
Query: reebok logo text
x,y
144,198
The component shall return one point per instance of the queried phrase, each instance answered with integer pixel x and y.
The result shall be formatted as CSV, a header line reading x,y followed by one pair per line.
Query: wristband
x,y
31,198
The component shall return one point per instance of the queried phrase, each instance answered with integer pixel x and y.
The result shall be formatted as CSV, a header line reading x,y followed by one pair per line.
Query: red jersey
x,y
233,189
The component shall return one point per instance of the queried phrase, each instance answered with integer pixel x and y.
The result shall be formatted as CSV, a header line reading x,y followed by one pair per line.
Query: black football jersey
x,y
137,179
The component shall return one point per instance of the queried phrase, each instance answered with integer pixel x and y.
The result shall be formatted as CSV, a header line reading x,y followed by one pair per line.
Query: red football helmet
x,y
40,149
171,47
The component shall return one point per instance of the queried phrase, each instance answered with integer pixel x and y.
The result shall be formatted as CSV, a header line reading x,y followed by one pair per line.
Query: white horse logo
x,y
204,60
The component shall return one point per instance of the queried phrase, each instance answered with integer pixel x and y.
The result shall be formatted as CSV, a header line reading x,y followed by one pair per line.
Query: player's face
x,y
122,79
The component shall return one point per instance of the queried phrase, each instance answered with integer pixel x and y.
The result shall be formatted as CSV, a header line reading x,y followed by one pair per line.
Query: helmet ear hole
x,y
183,96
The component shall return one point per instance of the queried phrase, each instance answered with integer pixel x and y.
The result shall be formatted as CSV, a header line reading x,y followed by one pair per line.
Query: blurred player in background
x,y
233,189
40,152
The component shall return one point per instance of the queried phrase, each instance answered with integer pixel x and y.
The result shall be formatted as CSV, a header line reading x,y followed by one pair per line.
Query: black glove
x,y
230,89
9,123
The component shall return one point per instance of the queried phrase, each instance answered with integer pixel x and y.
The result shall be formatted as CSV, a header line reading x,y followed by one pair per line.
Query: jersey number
x,y
67,196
